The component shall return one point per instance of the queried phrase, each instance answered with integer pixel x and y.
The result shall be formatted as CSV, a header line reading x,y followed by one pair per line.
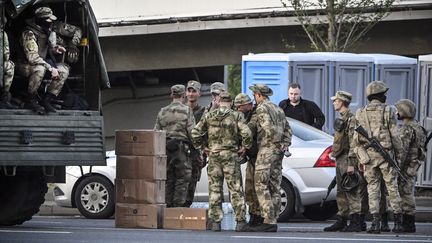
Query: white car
x,y
306,176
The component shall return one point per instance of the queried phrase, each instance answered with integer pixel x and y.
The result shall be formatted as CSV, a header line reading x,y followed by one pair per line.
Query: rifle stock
x,y
329,189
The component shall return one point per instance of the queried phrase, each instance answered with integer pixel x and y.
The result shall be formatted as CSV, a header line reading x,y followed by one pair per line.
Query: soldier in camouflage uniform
x,y
378,119
348,202
273,138
38,41
243,103
193,92
228,136
413,138
68,36
9,69
177,121
215,89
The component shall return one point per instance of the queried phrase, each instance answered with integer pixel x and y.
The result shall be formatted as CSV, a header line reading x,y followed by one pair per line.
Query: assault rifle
x,y
375,144
329,189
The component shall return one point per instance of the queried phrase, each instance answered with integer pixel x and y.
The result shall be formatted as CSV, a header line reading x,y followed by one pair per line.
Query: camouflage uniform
x,y
226,130
195,154
177,120
215,88
68,36
250,193
379,121
348,202
273,135
37,43
413,138
9,69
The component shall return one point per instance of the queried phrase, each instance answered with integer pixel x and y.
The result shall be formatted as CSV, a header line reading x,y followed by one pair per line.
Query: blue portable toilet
x,y
399,73
425,111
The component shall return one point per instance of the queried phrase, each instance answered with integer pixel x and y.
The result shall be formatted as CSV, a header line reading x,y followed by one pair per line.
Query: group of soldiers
x,y
226,133
374,156
46,48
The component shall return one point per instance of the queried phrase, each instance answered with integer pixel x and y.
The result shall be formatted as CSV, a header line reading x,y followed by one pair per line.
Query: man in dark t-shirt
x,y
301,109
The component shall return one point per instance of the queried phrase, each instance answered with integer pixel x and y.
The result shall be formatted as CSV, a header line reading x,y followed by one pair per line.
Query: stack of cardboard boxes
x,y
140,178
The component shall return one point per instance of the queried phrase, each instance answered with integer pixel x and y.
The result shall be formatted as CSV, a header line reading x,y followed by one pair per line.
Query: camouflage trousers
x,y
406,191
348,202
223,164
365,197
179,170
251,197
196,175
9,70
36,73
268,178
374,173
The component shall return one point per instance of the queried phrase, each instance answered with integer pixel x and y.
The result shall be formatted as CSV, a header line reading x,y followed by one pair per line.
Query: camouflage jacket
x,y
176,120
6,50
413,138
379,120
225,128
273,130
344,132
198,112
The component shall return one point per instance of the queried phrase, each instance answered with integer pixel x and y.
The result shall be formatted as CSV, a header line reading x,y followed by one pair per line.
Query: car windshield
x,y
306,132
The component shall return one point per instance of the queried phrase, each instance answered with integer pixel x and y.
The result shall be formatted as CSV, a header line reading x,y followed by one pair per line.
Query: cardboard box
x,y
141,167
140,191
140,142
139,215
185,218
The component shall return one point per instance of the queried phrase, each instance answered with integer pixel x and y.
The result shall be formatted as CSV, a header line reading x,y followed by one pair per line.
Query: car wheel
x,y
318,213
94,197
287,201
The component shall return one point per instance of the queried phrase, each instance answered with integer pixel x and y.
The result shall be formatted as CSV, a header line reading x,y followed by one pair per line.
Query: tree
x,y
336,25
234,79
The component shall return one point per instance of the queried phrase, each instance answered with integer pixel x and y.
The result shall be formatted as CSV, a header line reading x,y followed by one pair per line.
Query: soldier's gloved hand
x,y
55,74
350,170
59,49
72,55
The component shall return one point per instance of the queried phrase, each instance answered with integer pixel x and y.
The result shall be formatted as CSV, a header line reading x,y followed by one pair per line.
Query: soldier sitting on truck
x,y
8,70
68,36
38,43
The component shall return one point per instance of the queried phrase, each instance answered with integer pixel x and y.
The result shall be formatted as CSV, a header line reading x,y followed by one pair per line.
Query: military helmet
x,y
350,181
406,108
261,89
242,99
225,97
376,87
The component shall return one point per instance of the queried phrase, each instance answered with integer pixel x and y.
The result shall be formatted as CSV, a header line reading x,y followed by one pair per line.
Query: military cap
x,y
44,13
342,95
224,97
217,87
194,85
261,89
376,87
178,89
242,99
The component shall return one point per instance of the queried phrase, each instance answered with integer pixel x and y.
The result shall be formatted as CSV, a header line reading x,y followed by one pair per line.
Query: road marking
x,y
46,222
304,228
386,235
35,231
328,239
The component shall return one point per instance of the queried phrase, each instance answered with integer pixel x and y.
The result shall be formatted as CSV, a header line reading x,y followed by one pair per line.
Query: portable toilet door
x,y
425,112
399,73
267,68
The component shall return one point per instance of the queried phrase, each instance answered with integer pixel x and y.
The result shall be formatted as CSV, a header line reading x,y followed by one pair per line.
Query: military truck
x,y
35,149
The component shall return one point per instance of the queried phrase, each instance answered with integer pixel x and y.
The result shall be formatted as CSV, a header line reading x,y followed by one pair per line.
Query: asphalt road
x,y
77,229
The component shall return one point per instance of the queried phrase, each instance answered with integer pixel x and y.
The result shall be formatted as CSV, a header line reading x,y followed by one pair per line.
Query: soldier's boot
x,y
264,228
5,101
33,104
354,224
340,224
241,226
408,223
46,103
255,220
216,226
384,223
375,227
398,223
363,222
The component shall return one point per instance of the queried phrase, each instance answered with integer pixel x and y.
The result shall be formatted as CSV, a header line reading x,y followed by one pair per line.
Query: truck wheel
x,y
21,195
94,197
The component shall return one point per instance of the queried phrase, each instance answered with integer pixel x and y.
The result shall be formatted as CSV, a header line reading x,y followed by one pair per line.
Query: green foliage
x,y
234,79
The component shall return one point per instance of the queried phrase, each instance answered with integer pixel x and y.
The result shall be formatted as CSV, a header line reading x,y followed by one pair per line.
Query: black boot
x,y
363,222
47,102
354,225
5,101
408,223
340,224
375,227
397,223
33,104
384,223
263,228
254,220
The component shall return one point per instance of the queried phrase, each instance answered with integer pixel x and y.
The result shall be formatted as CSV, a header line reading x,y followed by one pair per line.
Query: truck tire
x,y
21,195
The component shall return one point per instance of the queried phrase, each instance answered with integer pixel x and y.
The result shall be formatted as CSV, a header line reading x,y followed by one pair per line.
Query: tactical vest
x,y
41,40
416,147
375,118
